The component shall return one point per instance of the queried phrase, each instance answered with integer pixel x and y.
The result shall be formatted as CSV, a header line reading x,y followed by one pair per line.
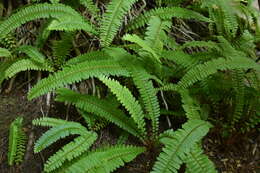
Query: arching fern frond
x,y
4,52
48,122
76,73
202,71
70,151
128,101
98,107
91,6
205,44
112,19
24,65
179,143
45,10
17,140
58,132
104,160
197,162
165,13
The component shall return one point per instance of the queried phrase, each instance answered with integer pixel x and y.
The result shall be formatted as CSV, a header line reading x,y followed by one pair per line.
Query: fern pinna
x,y
76,156
17,142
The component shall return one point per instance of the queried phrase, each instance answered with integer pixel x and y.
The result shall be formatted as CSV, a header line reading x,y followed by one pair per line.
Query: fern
x,y
99,107
202,71
179,143
33,53
57,11
165,13
17,140
104,160
148,95
77,73
89,4
4,52
197,162
48,122
112,20
58,132
128,101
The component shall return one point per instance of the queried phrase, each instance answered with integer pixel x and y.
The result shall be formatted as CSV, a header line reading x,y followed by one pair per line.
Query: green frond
x,y
112,19
43,34
93,55
24,65
180,58
155,34
104,160
76,73
190,106
58,132
177,144
165,13
148,96
71,24
17,139
70,151
98,107
48,122
45,10
203,44
91,6
197,162
126,98
5,52
136,39
202,71
33,53
239,100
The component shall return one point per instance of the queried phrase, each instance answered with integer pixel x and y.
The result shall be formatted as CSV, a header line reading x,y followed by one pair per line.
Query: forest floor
x,y
240,154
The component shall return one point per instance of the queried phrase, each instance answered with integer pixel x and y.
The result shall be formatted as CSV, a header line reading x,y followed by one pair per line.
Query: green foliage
x,y
165,13
112,20
57,11
17,142
179,143
5,52
75,154
76,73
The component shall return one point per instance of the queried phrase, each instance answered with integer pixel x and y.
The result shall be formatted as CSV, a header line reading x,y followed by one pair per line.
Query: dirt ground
x,y
240,155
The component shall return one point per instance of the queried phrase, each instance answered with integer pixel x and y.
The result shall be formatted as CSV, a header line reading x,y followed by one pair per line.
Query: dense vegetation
x,y
164,72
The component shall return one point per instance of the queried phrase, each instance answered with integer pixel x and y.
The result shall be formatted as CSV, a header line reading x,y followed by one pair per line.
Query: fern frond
x,y
165,13
70,24
202,71
33,53
76,73
136,39
105,160
70,151
24,65
155,34
112,19
4,52
17,139
205,44
98,107
126,98
58,132
189,105
93,55
179,143
45,10
48,122
91,6
148,95
197,162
